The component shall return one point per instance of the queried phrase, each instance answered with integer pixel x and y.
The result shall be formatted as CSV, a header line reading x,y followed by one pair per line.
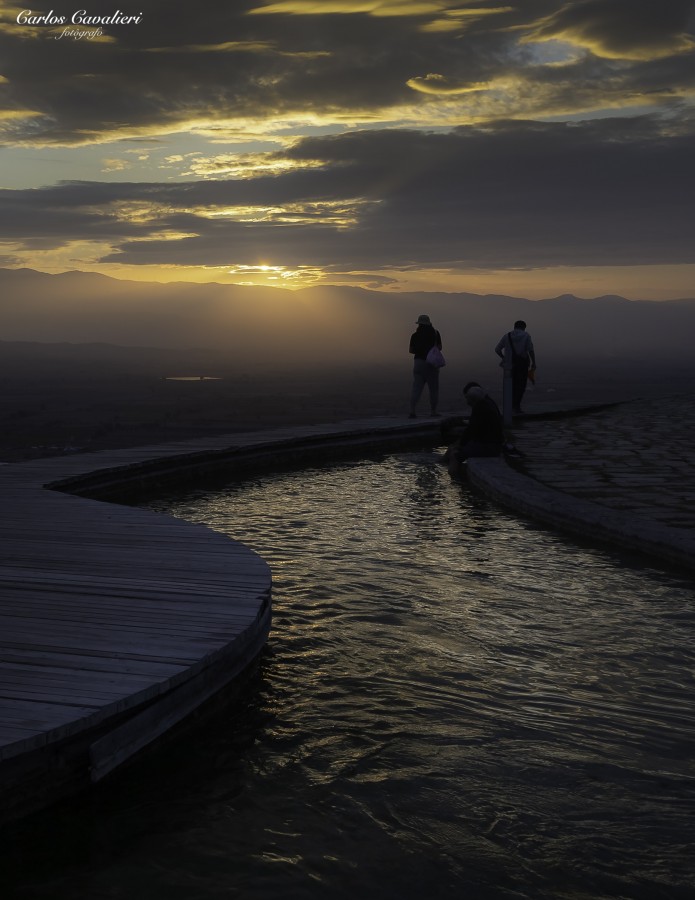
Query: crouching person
x,y
484,434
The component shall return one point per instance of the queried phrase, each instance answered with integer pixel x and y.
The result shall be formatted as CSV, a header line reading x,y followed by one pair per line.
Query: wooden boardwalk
x,y
116,622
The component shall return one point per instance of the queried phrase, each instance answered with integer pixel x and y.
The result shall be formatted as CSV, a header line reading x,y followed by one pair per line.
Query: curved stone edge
x,y
220,671
498,481
62,757
104,479
238,455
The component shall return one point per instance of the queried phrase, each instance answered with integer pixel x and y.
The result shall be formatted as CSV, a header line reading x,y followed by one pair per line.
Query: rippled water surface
x,y
456,704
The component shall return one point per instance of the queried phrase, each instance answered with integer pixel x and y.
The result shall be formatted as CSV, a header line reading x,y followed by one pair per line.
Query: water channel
x,y
455,703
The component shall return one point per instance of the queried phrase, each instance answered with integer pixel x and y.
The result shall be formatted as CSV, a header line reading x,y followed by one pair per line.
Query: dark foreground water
x,y
456,704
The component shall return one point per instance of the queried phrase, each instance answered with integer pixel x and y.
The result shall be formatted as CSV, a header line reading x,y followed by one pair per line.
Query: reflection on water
x,y
192,378
456,704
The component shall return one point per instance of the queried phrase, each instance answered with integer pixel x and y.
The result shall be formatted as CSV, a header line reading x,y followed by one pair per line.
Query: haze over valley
x,y
85,360
229,328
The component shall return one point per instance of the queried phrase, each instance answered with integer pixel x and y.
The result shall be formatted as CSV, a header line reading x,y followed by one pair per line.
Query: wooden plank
x,y
109,653
123,742
37,715
102,605
56,679
156,606
120,606
88,664
11,734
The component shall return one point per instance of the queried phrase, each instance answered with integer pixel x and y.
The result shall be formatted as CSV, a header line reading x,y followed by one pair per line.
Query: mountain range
x,y
249,327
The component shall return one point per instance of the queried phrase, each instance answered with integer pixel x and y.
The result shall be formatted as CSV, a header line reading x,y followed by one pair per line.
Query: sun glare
x,y
276,276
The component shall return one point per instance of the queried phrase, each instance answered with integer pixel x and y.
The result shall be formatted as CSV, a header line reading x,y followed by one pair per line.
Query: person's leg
x,y
433,384
478,448
516,399
453,463
519,379
419,381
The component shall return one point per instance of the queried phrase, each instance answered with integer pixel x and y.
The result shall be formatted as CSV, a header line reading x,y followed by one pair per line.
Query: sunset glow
x,y
402,145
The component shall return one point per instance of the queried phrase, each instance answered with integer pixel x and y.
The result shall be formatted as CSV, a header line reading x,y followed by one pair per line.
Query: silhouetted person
x,y
421,342
518,356
484,434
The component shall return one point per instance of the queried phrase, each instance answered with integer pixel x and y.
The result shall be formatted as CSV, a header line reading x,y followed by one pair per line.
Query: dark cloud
x,y
273,65
520,194
408,189
624,28
216,62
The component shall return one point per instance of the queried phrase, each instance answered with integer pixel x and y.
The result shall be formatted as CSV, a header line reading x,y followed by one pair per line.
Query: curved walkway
x,y
623,474
116,622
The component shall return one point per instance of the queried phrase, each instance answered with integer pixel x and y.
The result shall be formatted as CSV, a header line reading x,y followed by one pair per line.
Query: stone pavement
x,y
622,474
637,457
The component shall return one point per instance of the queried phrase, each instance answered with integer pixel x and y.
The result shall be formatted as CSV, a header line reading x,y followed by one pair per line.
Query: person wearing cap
x,y
421,342
484,434
515,349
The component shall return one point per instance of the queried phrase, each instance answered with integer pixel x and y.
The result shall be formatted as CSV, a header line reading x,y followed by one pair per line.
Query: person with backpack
x,y
515,349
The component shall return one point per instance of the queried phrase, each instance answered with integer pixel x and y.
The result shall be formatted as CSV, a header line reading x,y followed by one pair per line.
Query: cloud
x,y
342,137
351,7
231,68
440,84
622,29
225,47
247,165
459,18
114,165
516,195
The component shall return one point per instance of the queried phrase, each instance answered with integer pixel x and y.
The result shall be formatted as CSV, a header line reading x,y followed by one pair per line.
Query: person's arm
x,y
464,437
531,353
439,340
470,431
500,346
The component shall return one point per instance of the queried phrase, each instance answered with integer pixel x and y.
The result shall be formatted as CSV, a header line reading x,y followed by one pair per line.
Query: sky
x,y
529,148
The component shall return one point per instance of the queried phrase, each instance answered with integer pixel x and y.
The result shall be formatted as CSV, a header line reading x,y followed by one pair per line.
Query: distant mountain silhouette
x,y
258,327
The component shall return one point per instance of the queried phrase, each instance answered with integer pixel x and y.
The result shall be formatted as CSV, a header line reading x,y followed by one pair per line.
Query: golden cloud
x,y
678,44
24,33
248,165
115,165
344,7
456,19
336,213
59,259
277,276
9,115
242,47
440,84
226,47
640,47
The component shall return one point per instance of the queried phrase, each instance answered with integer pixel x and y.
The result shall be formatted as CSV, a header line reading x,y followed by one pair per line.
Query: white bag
x,y
436,358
